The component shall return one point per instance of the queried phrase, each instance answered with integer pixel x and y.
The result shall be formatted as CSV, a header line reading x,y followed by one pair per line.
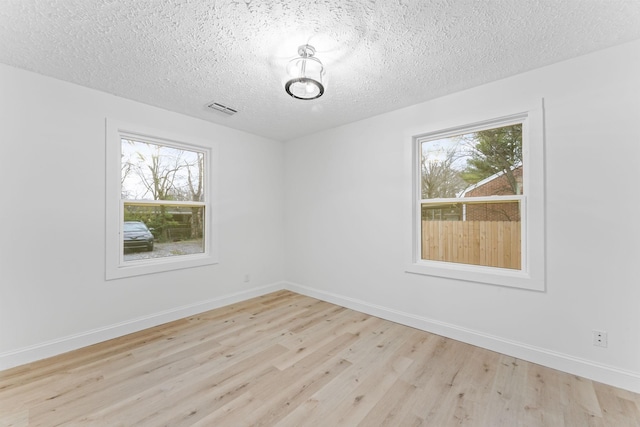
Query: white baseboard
x,y
73,342
606,374
594,371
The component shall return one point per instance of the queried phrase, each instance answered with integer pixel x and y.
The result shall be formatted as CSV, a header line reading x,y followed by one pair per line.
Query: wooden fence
x,y
487,243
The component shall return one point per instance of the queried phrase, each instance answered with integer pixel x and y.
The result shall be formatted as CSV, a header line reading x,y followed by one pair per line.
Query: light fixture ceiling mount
x,y
305,75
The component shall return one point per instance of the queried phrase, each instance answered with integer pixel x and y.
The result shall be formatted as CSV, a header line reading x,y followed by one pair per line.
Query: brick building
x,y
495,185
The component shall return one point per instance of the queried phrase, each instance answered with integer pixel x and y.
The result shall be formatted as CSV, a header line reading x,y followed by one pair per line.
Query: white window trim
x,y
532,274
116,267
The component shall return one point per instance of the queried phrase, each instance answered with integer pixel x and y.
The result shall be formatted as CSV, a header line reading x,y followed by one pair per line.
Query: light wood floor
x,y
288,360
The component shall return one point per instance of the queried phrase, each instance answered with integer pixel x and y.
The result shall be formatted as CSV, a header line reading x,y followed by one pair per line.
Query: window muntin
x,y
471,185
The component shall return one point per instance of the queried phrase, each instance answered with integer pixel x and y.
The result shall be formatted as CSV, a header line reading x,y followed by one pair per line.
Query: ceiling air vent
x,y
222,108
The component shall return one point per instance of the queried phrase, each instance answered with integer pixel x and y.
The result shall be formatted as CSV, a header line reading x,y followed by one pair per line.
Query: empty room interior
x,y
320,213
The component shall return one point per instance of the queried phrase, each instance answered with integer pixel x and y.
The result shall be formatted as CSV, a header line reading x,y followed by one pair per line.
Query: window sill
x,y
150,266
478,274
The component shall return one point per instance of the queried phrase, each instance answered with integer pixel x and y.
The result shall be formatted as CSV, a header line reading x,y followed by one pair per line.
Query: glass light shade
x,y
306,75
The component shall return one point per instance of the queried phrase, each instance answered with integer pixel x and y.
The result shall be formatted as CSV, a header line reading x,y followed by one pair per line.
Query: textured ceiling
x,y
379,55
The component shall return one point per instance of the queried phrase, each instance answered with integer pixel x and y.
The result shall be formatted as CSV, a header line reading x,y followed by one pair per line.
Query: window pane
x,y
486,234
162,231
474,164
159,172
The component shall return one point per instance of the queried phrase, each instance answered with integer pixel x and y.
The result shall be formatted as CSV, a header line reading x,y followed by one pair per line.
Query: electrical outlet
x,y
600,338
247,278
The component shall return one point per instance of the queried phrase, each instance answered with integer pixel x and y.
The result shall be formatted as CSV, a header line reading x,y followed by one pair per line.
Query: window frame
x,y
116,267
532,273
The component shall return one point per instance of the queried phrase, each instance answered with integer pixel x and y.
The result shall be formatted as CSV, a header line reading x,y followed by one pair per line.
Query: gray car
x,y
137,236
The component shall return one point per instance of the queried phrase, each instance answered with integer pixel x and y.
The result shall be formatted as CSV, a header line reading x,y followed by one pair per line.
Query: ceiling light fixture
x,y
306,75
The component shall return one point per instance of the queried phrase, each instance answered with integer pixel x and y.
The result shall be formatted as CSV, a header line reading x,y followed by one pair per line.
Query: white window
x,y
478,201
159,214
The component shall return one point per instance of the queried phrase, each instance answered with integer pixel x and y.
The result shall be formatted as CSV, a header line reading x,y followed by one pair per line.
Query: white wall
x,y
344,220
347,201
53,293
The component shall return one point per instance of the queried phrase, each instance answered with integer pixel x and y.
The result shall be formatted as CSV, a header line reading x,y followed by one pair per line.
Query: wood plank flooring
x,y
289,360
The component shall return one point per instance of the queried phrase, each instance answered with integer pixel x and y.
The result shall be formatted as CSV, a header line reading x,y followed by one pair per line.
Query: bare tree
x,y
125,170
165,174
196,190
439,176
158,173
